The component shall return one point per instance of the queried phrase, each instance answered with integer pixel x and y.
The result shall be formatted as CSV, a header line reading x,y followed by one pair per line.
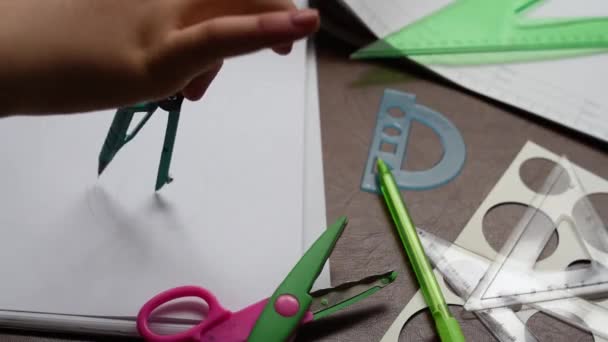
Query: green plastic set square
x,y
480,31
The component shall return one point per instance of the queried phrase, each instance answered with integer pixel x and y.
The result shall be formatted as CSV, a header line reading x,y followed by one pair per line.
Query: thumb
x,y
215,39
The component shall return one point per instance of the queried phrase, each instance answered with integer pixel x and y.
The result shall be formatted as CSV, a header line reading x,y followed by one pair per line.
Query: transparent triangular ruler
x,y
513,277
481,26
462,268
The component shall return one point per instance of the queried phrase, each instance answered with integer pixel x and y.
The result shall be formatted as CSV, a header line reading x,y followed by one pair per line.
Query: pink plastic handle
x,y
216,315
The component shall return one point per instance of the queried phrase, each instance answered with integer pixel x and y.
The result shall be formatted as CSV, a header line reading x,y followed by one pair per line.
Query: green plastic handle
x,y
274,327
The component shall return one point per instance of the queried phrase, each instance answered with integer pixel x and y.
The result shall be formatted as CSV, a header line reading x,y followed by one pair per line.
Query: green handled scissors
x,y
273,319
118,135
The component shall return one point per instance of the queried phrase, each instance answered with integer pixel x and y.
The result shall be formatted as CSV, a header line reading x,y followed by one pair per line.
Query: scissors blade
x,y
328,301
273,326
173,106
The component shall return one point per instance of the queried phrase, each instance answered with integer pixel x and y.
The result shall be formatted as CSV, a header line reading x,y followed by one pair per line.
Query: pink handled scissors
x,y
219,325
272,319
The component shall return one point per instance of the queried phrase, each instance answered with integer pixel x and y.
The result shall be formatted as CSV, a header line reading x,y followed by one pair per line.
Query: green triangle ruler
x,y
471,30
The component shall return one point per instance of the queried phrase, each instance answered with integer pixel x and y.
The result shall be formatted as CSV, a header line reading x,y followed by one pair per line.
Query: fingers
x,y
284,49
195,90
196,11
224,37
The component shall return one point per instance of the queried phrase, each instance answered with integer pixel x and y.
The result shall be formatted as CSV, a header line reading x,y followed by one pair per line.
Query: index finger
x,y
200,10
225,37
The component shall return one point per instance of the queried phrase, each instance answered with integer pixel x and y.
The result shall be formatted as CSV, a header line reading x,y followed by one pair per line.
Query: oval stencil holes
x,y
547,328
516,307
391,131
535,174
578,264
420,327
585,264
396,112
591,219
498,224
424,149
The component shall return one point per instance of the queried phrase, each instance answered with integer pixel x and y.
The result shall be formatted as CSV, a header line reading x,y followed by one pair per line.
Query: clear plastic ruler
x,y
513,277
461,269
571,247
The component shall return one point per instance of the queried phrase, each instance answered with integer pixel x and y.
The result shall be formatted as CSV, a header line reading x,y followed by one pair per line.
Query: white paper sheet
x,y
567,91
231,221
381,13
314,223
315,219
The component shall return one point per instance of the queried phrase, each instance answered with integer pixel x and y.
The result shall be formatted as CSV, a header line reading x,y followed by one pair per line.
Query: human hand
x,y
79,55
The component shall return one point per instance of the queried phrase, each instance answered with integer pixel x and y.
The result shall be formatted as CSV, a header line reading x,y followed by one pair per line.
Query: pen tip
x,y
382,168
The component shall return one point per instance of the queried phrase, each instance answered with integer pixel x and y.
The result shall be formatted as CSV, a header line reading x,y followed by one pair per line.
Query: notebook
x,y
82,254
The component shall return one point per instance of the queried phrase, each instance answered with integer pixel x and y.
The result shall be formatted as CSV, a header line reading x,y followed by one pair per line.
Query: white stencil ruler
x,y
511,189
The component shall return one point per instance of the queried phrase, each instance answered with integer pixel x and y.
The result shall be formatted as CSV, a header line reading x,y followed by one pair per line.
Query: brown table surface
x,y
350,93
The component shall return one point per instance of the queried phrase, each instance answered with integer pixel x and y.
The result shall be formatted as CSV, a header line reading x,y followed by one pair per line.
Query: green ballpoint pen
x,y
447,326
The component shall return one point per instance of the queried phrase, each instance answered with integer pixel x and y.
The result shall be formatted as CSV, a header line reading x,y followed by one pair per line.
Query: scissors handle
x,y
215,315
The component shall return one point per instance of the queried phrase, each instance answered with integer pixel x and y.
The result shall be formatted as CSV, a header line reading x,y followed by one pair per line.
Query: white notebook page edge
x,y
315,218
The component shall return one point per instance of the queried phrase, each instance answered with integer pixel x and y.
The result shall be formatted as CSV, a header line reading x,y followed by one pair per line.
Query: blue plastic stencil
x,y
398,127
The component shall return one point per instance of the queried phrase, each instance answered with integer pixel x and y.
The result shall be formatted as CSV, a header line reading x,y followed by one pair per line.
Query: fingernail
x,y
305,17
283,49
